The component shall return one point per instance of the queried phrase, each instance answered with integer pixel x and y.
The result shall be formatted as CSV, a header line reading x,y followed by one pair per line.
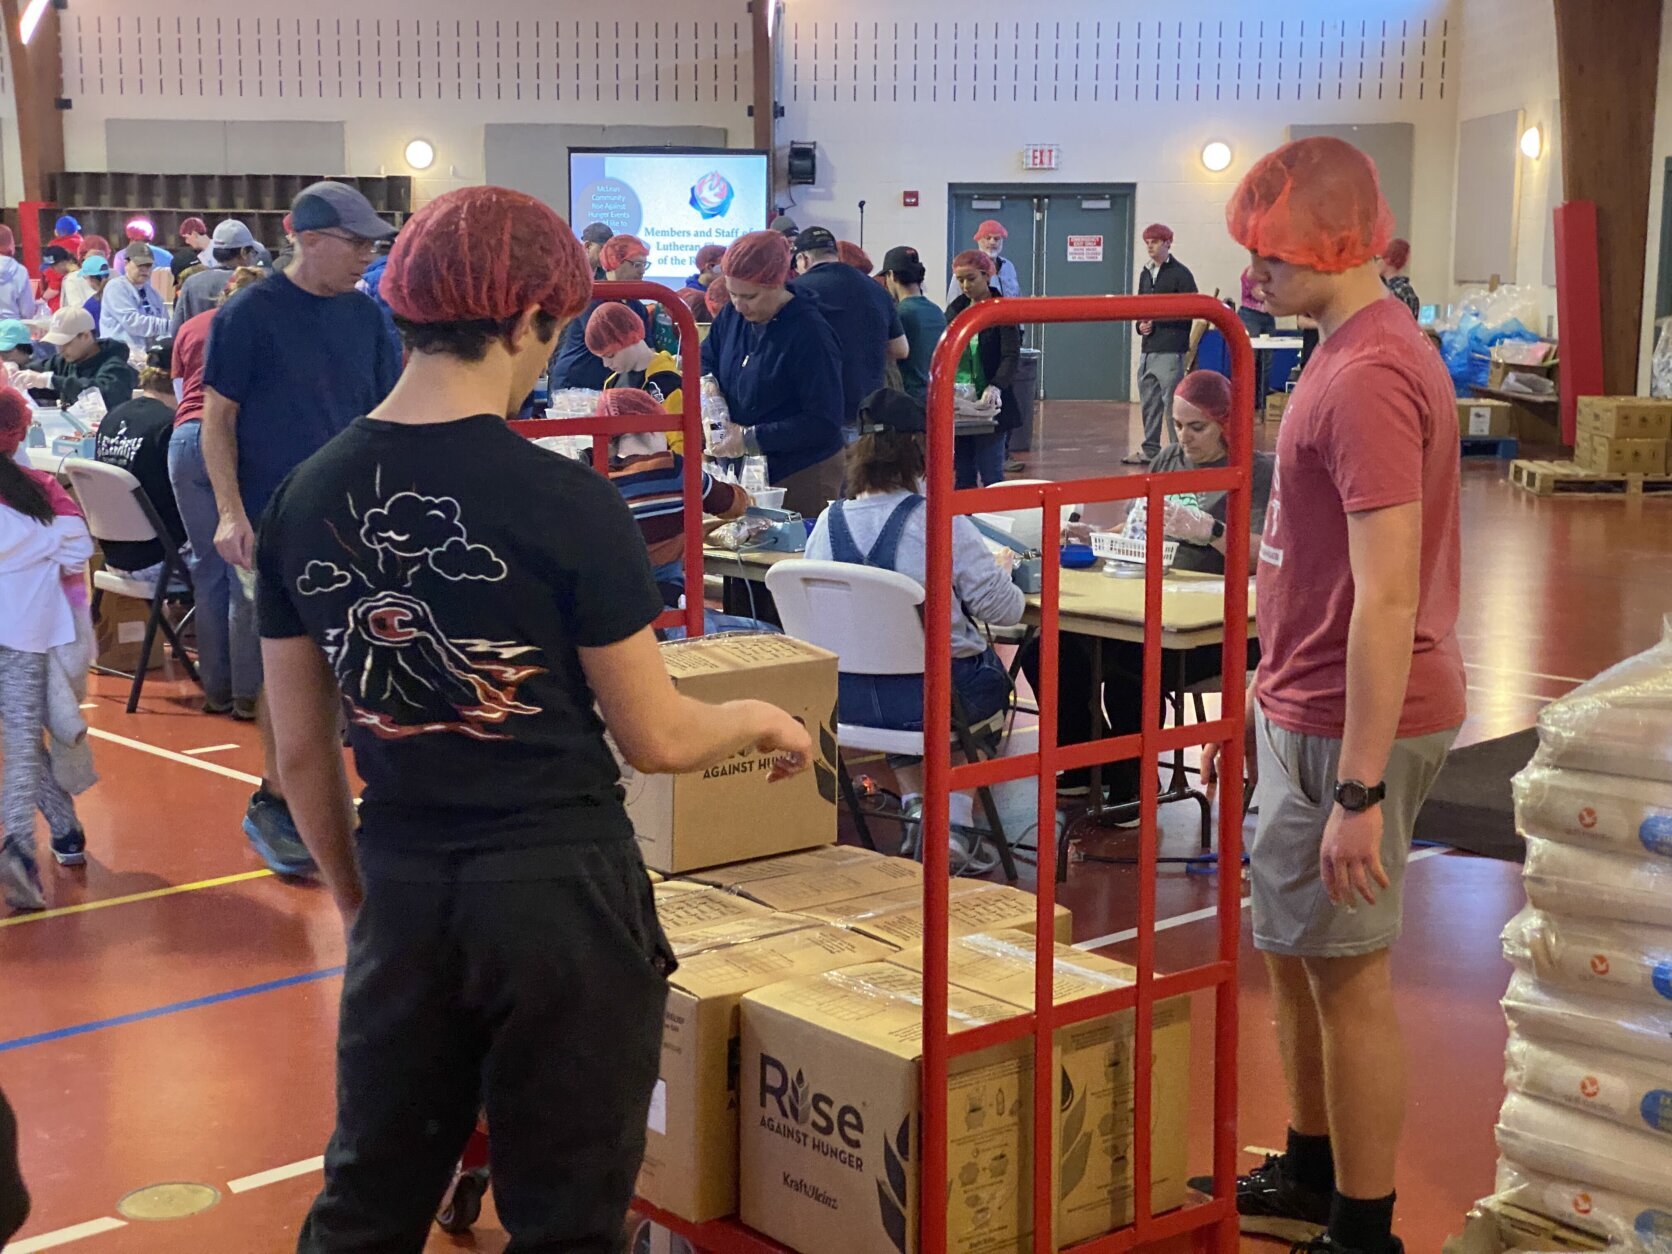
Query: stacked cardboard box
x,y
1585,1134
1623,435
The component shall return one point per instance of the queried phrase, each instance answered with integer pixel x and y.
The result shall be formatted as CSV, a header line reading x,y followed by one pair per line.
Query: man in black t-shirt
x,y
476,604
135,437
859,310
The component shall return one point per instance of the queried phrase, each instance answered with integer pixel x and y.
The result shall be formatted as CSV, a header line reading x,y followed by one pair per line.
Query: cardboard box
x,y
729,812
830,1102
1521,358
1276,403
690,1160
833,884
734,874
119,634
684,907
852,913
1626,417
1480,417
1496,1228
982,907
1618,456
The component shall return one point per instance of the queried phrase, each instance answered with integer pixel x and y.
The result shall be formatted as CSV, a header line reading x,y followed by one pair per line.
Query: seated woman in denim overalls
x,y
882,524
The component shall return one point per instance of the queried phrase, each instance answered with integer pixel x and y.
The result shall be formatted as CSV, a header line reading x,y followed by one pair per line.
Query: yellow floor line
x,y
18,919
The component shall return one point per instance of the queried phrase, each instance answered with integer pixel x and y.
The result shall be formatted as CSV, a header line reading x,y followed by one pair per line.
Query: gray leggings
x,y
28,775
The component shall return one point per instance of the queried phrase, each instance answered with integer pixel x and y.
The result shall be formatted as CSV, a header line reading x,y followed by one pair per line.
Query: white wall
x,y
392,70
1130,97
1507,60
11,161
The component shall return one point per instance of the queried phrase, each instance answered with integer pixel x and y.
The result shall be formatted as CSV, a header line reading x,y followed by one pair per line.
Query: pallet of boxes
x,y
1619,449
788,1096
1585,1134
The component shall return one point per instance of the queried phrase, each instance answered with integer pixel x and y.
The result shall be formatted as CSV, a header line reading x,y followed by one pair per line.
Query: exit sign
x,y
1041,157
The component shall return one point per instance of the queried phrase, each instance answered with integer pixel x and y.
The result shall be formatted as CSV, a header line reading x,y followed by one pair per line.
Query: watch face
x,y
1352,795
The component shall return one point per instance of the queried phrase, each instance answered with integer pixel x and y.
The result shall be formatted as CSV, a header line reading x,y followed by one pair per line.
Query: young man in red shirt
x,y
1359,692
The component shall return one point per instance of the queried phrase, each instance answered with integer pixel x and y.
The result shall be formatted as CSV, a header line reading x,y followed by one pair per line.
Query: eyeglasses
x,y
360,245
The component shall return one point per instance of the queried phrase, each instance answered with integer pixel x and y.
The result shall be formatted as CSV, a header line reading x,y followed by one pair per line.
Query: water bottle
x,y
754,475
715,412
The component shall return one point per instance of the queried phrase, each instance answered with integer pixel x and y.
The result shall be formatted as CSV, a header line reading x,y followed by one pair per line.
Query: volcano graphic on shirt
x,y
400,670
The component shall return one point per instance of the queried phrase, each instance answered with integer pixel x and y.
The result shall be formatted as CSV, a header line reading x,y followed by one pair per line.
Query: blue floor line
x,y
79,1029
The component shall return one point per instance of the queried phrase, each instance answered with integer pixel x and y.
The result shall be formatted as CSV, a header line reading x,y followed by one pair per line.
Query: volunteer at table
x,y
1201,410
708,260
481,608
779,366
989,366
615,336
624,258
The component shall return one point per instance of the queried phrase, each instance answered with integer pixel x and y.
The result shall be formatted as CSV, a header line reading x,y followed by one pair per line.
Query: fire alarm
x,y
909,199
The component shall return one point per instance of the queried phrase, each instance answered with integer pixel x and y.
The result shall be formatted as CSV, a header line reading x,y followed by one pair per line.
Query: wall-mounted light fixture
x,y
420,154
1532,142
1216,155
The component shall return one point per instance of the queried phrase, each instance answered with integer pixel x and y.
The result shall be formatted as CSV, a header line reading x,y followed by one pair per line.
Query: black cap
x,y
597,233
887,409
815,239
53,254
899,257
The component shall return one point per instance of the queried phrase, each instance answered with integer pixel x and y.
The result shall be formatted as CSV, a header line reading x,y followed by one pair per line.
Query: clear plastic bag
x,y
1575,1146
1543,1013
1626,1091
1619,723
1660,364
1592,956
1605,812
1574,881
1638,1225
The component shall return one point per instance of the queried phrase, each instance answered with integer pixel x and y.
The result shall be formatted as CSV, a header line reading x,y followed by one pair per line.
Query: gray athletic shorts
x,y
1292,913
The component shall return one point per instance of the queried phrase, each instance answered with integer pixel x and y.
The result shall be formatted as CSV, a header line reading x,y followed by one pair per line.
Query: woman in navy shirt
x,y
779,366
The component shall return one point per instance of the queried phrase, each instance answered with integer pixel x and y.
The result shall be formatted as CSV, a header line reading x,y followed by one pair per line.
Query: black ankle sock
x,y
1310,1162
1362,1223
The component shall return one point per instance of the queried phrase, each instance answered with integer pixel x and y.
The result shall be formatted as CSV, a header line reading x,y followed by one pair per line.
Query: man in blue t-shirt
x,y
291,362
858,309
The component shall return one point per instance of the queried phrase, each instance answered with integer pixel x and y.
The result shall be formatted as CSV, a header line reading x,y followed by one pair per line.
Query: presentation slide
x,y
675,200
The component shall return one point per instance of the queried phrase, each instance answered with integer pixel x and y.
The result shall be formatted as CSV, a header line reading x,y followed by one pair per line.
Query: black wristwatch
x,y
1218,530
1354,795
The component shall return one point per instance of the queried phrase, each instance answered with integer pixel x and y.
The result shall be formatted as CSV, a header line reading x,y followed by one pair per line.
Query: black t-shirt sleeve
x,y
276,614
611,594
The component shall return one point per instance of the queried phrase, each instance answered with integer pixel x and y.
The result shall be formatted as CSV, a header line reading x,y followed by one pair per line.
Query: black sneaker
x,y
1323,1243
70,849
1271,1205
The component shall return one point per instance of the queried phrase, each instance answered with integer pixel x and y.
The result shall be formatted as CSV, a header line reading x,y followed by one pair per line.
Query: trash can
x,y
1026,391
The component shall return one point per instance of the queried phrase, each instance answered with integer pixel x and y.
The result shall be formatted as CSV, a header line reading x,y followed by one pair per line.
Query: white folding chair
x,y
117,509
870,619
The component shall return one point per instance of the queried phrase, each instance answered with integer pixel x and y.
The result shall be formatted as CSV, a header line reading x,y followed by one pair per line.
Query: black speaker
x,y
803,164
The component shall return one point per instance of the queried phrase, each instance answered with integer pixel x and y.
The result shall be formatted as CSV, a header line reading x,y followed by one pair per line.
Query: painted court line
x,y
1210,912
157,1012
52,1240
211,749
18,920
169,755
261,1178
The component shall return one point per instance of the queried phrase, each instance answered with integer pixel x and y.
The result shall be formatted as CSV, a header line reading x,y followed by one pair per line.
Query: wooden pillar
x,y
1608,59
764,106
37,71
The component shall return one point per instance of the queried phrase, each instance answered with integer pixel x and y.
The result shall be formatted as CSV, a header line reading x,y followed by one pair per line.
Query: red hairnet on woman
x,y
779,367
853,255
616,337
625,258
708,260
488,607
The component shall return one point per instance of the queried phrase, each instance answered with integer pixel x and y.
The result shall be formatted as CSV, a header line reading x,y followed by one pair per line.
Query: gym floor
x,y
171,1018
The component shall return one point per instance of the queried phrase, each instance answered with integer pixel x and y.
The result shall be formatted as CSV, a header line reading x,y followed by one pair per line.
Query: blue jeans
x,y
671,576
896,701
978,457
229,661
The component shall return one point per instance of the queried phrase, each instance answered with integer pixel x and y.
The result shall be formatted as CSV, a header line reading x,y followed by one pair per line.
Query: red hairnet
x,y
1398,253
1209,391
625,402
7,243
853,255
1314,203
1160,231
760,257
485,253
14,420
193,226
696,300
974,259
717,297
611,328
622,248
992,226
141,229
708,254
91,244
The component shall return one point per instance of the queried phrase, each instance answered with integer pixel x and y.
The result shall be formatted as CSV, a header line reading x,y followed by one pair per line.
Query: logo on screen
x,y
711,195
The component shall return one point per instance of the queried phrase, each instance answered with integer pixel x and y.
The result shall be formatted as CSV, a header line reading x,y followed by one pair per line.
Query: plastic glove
x,y
1145,327
32,379
991,399
731,442
1005,558
1186,522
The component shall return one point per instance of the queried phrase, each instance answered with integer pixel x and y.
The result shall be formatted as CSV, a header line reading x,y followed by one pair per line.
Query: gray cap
x,y
231,233
784,225
596,233
331,205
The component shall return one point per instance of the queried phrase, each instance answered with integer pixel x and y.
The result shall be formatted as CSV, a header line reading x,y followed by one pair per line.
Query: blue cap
x,y
67,225
95,267
13,334
330,205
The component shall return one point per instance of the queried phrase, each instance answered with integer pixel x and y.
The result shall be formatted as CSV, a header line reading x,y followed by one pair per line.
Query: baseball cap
x,y
14,334
596,233
53,254
95,267
888,409
326,205
784,225
66,324
139,250
899,258
231,233
815,239
67,225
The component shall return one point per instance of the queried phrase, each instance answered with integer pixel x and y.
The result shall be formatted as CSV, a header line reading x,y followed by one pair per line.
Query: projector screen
x,y
674,199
